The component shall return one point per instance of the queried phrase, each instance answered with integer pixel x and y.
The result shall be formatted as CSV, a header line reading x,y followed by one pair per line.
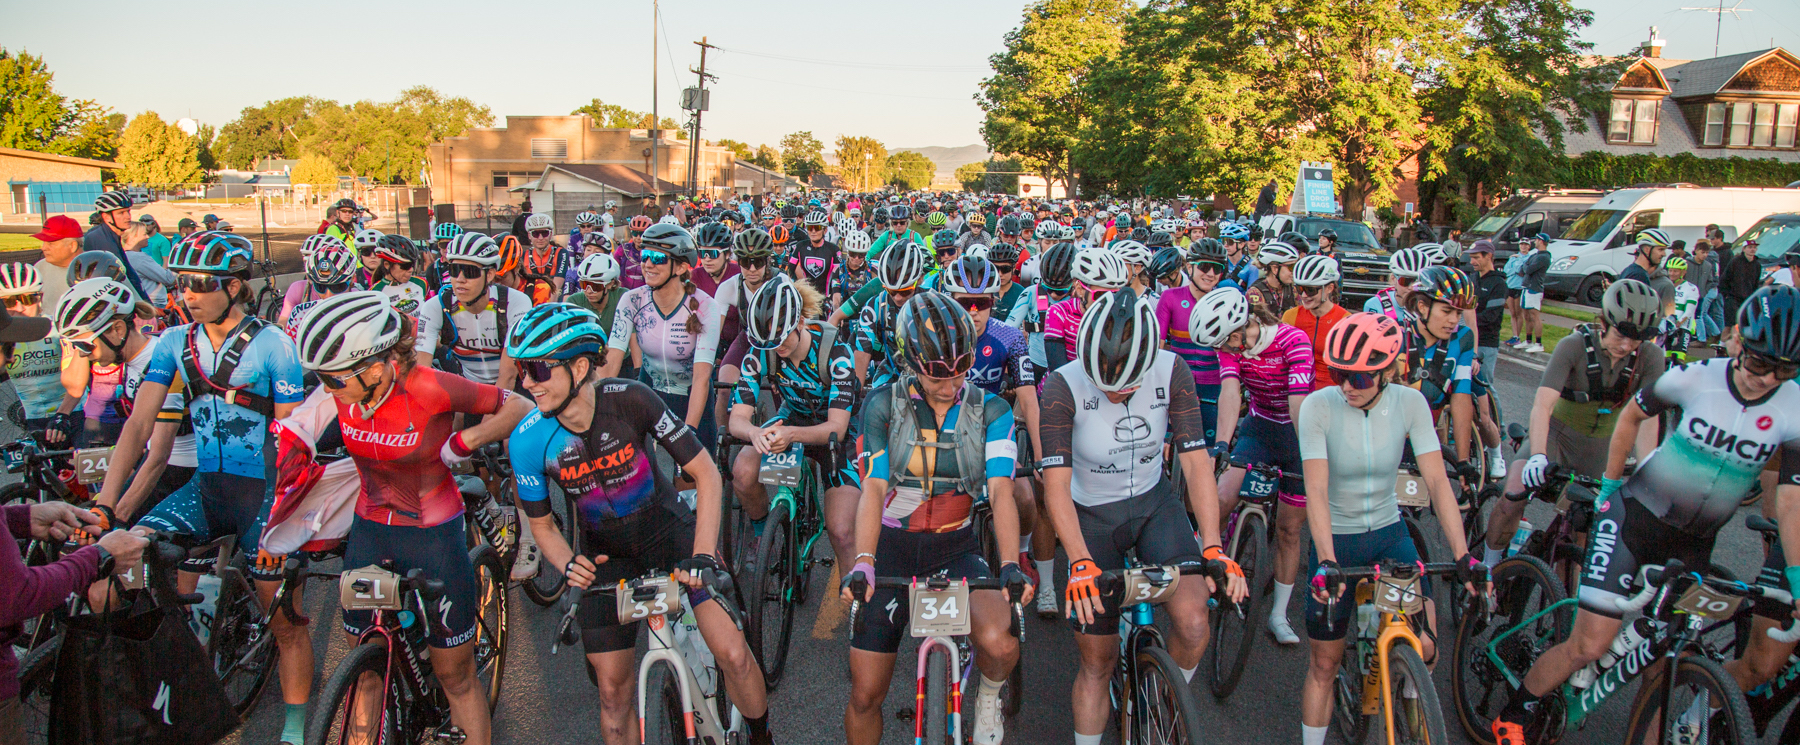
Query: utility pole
x,y
655,116
693,175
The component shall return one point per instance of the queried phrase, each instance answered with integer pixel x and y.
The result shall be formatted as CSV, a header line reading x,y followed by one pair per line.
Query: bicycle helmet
x,y
775,311
978,220
879,216
1408,262
90,306
1000,253
817,217
1633,307
19,278
446,231
1276,252
1207,251
89,264
900,212
1328,233
1132,252
211,252
1297,241
901,266
1217,316
713,235
671,239
1167,260
112,200
1363,342
1769,323
1232,231
934,336
1316,271
1009,225
753,243
1434,254
1056,267
1140,234
638,224
1047,230
366,239
342,330
937,220
511,250
1653,237
1444,284
971,275
943,241
598,268
475,248
396,249
668,220
317,242
1100,269
768,213
1117,340
587,220
789,212
332,264
1676,264
1159,239
854,241
555,331
779,234
597,239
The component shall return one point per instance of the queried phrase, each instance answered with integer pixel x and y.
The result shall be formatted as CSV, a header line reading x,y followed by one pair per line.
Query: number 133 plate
x,y
940,612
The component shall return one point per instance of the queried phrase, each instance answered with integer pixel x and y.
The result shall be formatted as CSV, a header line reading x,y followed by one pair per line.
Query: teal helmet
x,y
212,252
556,331
446,231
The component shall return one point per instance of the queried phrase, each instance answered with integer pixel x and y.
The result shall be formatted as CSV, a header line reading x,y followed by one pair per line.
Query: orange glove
x,y
1214,553
269,563
1082,576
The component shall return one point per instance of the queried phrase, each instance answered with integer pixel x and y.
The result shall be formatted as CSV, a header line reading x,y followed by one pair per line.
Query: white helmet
x,y
598,268
1316,271
854,241
1132,252
1100,268
670,219
1217,316
367,238
1070,232
1276,252
1117,340
540,221
331,264
611,203
976,251
342,330
587,219
1047,230
90,306
19,278
314,242
901,266
1408,262
476,248
773,312
1434,253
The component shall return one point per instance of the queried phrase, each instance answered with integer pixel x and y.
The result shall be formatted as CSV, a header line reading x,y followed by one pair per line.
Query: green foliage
x,y
272,130
33,116
862,162
203,141
742,150
155,152
909,170
613,116
767,157
1003,175
972,176
315,171
386,142
1605,170
802,155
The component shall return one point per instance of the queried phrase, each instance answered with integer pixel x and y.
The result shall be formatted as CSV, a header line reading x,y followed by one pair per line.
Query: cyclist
x,y
914,523
1239,264
1166,270
463,329
341,221
1106,418
1055,280
898,272
1353,438
1272,363
1205,274
587,222
33,366
300,292
713,241
366,240
675,326
329,271
238,374
1591,375
1274,288
588,436
754,251
1316,287
506,273
1096,271
856,271
398,419
899,230
1736,414
1136,257
394,275
541,264
1440,358
626,252
975,232
1404,267
1651,245
814,258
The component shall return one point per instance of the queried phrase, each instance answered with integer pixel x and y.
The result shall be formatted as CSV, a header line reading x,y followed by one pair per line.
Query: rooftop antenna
x,y
1720,11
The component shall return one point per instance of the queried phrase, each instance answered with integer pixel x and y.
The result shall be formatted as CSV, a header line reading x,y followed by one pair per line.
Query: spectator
x,y
1265,200
61,237
1531,298
155,279
222,226
186,227
1515,284
518,225
1703,274
341,222
211,221
158,246
1740,276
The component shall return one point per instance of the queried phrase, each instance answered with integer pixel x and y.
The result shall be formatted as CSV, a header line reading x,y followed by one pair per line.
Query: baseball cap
x,y
210,218
22,328
187,222
1483,246
58,228
1545,237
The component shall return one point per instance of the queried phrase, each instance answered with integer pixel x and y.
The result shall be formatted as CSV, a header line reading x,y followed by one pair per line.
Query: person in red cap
x,y
62,241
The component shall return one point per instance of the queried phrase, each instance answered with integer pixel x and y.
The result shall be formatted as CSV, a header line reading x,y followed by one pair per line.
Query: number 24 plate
x,y
940,612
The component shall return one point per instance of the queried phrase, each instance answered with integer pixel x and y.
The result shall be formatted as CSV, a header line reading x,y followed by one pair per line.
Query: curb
x,y
1538,359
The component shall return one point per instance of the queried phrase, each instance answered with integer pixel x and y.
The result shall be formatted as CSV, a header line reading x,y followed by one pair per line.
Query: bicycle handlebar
x,y
718,584
859,587
1654,578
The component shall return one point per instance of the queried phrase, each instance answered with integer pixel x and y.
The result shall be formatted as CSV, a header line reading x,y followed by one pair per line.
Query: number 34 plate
x,y
940,612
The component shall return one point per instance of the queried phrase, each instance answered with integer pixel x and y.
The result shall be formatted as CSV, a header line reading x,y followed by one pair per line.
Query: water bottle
x,y
694,650
1629,638
200,617
1519,538
1366,619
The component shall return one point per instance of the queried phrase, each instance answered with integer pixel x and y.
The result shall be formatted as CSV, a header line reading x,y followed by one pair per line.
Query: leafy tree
x,y
442,117
272,130
802,155
315,171
33,116
387,141
972,176
1003,176
740,149
94,132
767,157
862,162
152,151
909,170
203,140
613,116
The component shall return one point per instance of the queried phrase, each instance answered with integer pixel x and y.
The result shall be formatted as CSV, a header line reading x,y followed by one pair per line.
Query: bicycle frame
x,y
954,668
698,720
414,673
1394,628
785,498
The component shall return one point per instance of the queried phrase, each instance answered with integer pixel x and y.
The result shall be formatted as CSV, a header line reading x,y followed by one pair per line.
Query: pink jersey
x,y
1284,368
1062,321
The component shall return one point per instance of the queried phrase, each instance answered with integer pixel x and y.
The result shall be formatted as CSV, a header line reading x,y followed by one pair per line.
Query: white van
x,y
1597,246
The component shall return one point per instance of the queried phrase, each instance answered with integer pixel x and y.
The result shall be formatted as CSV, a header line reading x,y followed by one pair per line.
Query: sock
x,y
1494,453
1313,735
757,725
1490,555
1520,706
1081,739
1046,571
293,730
988,688
756,526
1188,672
1025,542
1278,611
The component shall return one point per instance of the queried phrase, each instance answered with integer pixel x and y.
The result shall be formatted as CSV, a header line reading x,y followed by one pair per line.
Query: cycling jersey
x,y
1029,314
631,270
408,297
1006,301
1063,320
1595,418
846,281
479,341
1316,328
1384,303
1282,367
174,409
605,469
874,331
1001,360
888,238
1116,449
670,351
1443,369
1697,477
404,481
805,399
949,508
814,264
232,438
1172,312
1363,450
100,405
35,369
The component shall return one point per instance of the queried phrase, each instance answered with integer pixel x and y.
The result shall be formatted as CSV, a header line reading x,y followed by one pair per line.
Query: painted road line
x,y
832,610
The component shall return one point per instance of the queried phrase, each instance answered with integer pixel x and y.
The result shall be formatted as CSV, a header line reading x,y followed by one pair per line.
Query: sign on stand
x,y
1313,192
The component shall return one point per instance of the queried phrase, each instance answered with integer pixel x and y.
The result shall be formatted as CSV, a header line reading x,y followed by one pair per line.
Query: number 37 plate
x,y
940,612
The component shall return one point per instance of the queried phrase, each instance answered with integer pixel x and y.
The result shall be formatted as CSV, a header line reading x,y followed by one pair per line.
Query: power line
x,y
883,94
865,65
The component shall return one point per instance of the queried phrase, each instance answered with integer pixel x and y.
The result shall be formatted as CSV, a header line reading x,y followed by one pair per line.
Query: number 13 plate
x,y
940,612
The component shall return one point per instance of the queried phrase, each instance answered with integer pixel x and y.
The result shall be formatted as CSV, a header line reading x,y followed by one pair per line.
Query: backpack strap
x,y
219,383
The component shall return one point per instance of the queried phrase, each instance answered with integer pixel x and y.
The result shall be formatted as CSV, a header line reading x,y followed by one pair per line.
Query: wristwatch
x,y
106,561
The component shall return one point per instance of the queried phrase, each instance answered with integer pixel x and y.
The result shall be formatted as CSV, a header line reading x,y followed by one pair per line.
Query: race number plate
x,y
1150,584
781,469
15,459
369,588
1410,491
940,612
1706,603
647,597
91,464
1395,595
1259,486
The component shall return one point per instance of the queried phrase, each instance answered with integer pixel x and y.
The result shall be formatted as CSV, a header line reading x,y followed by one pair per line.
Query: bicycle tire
x,y
491,620
326,726
548,586
1347,715
1523,585
1428,716
1233,637
664,721
768,583
1175,718
936,704
1732,719
241,645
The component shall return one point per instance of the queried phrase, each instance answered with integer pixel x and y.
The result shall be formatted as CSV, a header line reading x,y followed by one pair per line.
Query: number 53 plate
x,y
940,612
657,600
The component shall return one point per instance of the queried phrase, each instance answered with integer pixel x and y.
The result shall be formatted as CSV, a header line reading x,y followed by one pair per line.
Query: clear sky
x,y
903,74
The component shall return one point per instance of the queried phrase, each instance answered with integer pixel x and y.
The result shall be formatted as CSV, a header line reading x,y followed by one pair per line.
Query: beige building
x,y
36,182
482,164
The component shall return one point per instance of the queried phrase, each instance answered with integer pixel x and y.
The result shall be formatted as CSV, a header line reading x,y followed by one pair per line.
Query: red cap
x,y
58,228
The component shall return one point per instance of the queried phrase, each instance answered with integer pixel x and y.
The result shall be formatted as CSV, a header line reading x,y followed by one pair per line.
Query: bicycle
x,y
938,607
267,303
982,520
1681,603
1248,533
1150,696
1767,701
495,522
783,562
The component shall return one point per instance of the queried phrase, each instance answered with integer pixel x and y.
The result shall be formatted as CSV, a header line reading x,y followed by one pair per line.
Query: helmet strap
x,y
368,411
118,350
575,389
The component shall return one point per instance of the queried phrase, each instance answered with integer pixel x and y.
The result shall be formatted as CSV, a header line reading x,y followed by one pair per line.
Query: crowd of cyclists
x,y
1108,377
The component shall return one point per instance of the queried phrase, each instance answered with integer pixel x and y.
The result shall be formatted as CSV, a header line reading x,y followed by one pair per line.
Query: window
x,y
1620,128
1715,124
1633,121
500,181
1785,124
1760,124
1762,133
1643,131
1740,124
546,147
1530,225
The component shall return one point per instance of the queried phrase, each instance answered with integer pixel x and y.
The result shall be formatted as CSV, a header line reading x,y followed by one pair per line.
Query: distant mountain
x,y
948,159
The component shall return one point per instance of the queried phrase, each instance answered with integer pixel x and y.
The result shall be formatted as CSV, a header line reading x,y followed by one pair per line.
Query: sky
x,y
903,74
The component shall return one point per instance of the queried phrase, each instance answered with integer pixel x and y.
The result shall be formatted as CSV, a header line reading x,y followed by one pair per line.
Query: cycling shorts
x,y
1355,550
1625,537
1264,442
1209,407
1154,523
441,552
655,537
734,354
211,505
904,553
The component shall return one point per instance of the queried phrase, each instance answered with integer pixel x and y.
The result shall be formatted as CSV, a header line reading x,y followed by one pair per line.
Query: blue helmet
x,y
211,252
555,331
1769,323
1232,231
446,231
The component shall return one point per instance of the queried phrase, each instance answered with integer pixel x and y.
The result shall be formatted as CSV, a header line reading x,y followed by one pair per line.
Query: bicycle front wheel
x,y
935,714
1706,706
490,621
1163,709
548,586
353,705
241,645
768,605
1523,587
664,720
1417,716
1235,631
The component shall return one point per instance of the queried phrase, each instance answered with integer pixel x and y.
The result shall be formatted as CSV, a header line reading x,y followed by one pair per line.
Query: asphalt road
x,y
548,699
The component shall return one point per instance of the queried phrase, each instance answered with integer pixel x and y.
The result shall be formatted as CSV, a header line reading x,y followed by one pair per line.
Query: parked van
x,y
1597,246
1528,213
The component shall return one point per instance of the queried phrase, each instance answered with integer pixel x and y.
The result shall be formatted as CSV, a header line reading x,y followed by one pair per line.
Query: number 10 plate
x,y
940,612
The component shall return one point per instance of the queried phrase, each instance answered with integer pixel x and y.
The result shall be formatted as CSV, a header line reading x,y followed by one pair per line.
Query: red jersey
x,y
404,482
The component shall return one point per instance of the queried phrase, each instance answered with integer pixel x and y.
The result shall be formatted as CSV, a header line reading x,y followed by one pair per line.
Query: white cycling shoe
x,y
990,722
1046,603
1497,466
526,565
1282,630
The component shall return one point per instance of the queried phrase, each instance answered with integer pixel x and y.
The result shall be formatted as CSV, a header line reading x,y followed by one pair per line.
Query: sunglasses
x,y
365,251
538,371
900,223
811,228
540,234
597,286
1403,281
198,283
946,369
1004,268
27,299
753,262
977,303
711,253
1359,379
901,296
1235,343
337,382
1758,364
465,271
1304,291
656,258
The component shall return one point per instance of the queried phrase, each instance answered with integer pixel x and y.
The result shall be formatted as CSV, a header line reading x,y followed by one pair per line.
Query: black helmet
x,y
754,243
1296,240
1165,261
790,212
397,246
673,239
1009,225
1769,323
96,263
1328,233
1056,268
1207,250
1158,239
943,240
1003,253
714,235
879,215
344,204
935,336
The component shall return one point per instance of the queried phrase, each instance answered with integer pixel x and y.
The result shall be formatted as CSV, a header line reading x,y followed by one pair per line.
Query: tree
x,y
740,149
442,117
315,171
1037,100
862,161
612,116
94,133
272,130
203,141
972,176
1003,176
767,157
909,170
156,152
802,155
33,116
386,142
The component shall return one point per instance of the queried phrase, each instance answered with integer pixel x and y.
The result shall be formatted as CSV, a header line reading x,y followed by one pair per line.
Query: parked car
x,y
1523,215
1775,235
1363,262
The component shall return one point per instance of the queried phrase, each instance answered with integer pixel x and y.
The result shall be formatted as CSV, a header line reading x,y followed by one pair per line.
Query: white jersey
x,y
1116,449
478,340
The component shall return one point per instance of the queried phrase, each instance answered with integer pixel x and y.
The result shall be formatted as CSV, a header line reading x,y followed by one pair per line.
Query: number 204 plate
x,y
940,612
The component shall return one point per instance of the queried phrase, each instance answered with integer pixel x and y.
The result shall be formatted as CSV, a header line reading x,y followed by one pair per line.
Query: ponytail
x,y
693,300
